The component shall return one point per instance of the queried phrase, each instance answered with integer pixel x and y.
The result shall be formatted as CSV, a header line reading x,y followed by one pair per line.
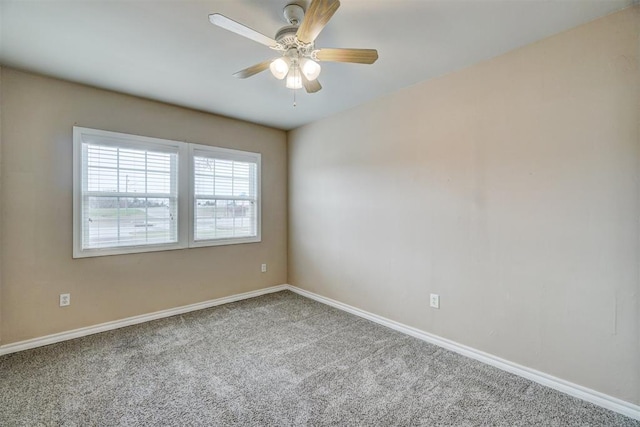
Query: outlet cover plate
x,y
65,300
434,300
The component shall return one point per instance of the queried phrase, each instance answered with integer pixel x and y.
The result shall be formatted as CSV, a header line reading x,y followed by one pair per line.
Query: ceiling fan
x,y
298,60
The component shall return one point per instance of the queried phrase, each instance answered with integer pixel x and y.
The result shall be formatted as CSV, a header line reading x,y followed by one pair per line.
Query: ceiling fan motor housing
x,y
286,36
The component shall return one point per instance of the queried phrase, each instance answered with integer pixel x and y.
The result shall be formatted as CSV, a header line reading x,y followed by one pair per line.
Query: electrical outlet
x,y
435,301
65,300
264,268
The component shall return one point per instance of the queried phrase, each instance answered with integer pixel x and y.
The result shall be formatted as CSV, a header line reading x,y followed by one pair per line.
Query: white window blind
x,y
226,195
129,195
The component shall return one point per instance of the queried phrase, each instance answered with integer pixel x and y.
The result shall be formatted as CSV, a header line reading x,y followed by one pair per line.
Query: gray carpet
x,y
276,360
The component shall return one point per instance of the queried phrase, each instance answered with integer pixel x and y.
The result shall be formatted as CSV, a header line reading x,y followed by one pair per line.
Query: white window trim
x,y
228,154
186,197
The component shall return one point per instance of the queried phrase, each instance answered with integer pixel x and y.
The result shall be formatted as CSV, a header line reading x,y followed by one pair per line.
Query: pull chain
x,y
295,72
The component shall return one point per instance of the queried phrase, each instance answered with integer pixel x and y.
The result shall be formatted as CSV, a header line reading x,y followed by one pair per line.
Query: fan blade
x,y
236,27
319,13
311,86
254,69
358,56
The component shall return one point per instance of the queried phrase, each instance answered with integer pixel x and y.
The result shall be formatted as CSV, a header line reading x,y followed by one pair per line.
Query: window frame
x,y
185,192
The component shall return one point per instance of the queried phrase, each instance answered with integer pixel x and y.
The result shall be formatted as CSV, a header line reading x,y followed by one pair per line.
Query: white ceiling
x,y
168,50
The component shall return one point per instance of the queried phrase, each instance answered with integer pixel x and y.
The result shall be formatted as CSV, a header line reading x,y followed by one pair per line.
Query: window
x,y
138,194
225,196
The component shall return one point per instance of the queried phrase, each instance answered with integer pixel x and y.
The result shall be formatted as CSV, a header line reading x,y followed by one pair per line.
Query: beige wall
x,y
510,188
38,114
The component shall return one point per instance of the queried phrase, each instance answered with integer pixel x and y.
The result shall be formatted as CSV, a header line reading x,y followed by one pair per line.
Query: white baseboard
x,y
575,390
90,330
